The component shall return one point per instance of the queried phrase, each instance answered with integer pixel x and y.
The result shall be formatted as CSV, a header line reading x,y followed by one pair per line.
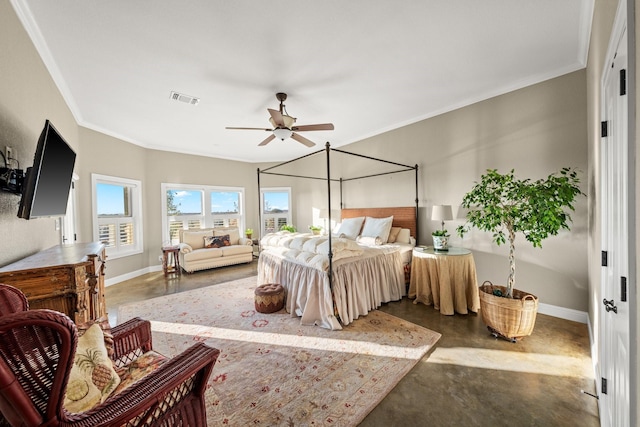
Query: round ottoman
x,y
269,298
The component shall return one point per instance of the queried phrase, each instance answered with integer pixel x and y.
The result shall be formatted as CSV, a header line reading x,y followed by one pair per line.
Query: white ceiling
x,y
365,66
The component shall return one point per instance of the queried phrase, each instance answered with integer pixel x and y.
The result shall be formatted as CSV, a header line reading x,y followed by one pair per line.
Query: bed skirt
x,y
360,284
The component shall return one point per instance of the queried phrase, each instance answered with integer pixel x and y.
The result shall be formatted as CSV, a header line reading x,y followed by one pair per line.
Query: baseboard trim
x,y
563,313
132,275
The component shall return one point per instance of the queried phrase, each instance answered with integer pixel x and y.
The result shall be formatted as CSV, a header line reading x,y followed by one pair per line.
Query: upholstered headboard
x,y
403,217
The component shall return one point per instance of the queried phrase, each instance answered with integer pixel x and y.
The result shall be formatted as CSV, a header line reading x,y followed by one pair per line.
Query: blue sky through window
x,y
188,202
223,202
276,201
110,199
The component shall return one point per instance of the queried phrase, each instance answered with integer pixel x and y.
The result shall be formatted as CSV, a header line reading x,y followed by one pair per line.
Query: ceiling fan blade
x,y
268,140
306,128
236,128
302,140
277,117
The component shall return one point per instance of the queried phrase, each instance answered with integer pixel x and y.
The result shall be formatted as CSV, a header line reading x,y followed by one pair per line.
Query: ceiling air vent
x,y
184,98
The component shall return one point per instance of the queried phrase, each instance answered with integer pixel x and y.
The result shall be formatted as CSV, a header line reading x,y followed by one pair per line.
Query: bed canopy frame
x,y
327,150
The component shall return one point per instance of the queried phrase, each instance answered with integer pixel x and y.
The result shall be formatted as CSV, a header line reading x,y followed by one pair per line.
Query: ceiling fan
x,y
284,125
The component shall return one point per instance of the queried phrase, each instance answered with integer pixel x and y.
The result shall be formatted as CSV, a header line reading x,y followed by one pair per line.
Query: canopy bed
x,y
332,280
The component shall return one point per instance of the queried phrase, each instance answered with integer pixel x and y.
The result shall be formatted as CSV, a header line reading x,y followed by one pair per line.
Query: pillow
x,y
194,238
92,378
350,227
393,234
369,241
404,236
216,241
232,232
377,227
103,322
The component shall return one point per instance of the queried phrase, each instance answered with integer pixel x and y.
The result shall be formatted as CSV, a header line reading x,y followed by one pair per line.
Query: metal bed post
x,y
330,254
259,210
417,216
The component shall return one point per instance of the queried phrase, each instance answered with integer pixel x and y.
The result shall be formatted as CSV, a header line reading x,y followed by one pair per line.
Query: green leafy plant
x,y
441,233
504,205
248,231
288,227
315,228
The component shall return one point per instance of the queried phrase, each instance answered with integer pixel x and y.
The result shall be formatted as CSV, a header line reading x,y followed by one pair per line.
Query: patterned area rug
x,y
272,371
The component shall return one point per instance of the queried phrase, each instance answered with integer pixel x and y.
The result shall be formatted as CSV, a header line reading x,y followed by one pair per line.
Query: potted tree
x,y
505,205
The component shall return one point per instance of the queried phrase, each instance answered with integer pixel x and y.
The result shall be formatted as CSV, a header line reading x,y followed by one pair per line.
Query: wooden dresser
x,y
65,278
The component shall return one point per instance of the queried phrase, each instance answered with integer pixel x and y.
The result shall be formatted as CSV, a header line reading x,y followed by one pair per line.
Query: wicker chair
x,y
12,300
37,350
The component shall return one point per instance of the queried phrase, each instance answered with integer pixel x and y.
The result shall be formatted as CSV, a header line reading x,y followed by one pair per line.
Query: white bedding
x,y
364,276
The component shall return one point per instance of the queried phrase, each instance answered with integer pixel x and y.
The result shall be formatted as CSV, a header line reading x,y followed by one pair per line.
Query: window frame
x,y
207,219
266,216
136,218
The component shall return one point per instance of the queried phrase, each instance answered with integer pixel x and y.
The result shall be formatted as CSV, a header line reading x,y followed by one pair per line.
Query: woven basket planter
x,y
510,317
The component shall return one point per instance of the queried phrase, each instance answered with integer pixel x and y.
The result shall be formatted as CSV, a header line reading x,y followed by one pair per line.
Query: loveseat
x,y
213,247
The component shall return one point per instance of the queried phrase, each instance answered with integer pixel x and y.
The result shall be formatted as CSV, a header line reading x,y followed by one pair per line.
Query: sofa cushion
x,y
204,253
233,232
216,241
236,250
139,368
195,239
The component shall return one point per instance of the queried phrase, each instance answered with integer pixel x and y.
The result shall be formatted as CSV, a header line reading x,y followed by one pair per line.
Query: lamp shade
x,y
441,213
335,214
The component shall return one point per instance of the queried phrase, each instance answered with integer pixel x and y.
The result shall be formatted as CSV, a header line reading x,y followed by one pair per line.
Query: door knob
x,y
609,305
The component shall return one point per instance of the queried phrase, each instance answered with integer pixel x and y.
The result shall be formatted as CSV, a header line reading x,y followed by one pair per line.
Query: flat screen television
x,y
48,181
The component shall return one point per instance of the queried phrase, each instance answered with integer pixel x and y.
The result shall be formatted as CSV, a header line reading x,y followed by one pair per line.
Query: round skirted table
x,y
445,279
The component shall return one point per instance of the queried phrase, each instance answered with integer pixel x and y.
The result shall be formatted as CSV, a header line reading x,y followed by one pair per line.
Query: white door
x,y
614,355
68,232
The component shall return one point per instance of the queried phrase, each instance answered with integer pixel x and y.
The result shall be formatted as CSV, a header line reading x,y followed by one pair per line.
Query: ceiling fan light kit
x,y
282,133
284,125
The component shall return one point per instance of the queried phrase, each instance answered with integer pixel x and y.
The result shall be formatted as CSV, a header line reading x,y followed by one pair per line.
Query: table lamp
x,y
441,213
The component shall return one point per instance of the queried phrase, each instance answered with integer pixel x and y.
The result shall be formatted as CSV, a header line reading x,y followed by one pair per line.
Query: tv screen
x,y
47,182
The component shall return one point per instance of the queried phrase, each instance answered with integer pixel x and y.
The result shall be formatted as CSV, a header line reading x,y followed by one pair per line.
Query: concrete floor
x,y
469,379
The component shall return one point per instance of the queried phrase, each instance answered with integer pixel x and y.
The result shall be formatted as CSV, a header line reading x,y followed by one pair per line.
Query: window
x,y
183,211
196,206
117,214
225,209
276,210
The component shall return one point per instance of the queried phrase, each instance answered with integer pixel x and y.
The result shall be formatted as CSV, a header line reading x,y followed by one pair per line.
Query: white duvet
x,y
310,249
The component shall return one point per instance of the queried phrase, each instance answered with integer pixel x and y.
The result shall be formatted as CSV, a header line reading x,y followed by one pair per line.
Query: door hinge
x,y
623,288
603,258
604,129
603,387
623,82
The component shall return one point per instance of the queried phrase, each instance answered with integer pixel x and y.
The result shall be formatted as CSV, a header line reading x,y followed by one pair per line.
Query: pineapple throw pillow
x,y
92,378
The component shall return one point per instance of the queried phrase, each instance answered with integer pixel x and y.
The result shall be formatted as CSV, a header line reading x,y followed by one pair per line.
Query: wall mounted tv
x,y
47,182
